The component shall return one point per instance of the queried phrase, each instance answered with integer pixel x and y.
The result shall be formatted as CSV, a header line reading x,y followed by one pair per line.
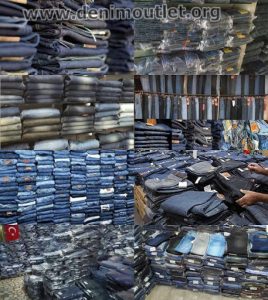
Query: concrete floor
x,y
171,293
12,289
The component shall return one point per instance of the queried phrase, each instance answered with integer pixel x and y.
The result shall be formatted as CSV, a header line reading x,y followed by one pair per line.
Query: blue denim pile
x,y
121,43
191,46
62,261
144,277
203,97
56,187
255,59
149,136
43,89
94,109
10,122
218,261
12,90
76,47
113,124
196,135
18,44
182,190
40,123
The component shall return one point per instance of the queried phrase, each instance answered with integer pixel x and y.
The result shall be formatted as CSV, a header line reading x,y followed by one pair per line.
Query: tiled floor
x,y
171,293
12,289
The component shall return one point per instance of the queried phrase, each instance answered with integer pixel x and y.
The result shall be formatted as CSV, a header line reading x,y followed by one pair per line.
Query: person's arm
x,y
251,198
256,168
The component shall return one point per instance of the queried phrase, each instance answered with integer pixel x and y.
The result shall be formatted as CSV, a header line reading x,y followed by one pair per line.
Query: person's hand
x,y
248,199
253,167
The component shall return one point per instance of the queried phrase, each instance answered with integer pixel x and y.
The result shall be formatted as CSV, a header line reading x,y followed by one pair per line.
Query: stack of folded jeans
x,y
51,144
109,91
45,186
152,136
191,46
80,89
255,59
27,192
11,90
11,127
126,115
206,259
106,117
62,178
235,261
8,188
130,187
44,89
255,284
40,123
93,191
196,207
116,140
142,271
77,119
18,42
13,260
213,269
127,91
120,187
107,160
73,47
78,192
121,43
160,186
116,274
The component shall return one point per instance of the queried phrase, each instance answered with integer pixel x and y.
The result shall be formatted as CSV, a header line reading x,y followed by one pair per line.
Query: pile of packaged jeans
x,y
121,43
245,135
149,136
223,260
44,89
74,46
45,186
11,90
18,43
256,56
40,123
64,260
144,278
191,46
184,190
